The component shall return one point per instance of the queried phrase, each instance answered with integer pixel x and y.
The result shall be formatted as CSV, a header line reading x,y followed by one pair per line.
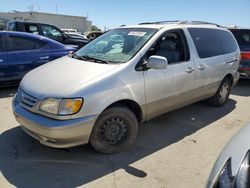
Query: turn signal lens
x,y
70,106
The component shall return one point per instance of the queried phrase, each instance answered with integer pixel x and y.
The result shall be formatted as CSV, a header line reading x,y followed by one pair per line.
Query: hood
x,y
63,77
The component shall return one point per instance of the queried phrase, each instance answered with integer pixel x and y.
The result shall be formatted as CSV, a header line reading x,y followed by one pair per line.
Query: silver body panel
x,y
101,85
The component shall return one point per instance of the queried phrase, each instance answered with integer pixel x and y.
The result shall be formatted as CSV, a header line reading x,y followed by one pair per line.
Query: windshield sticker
x,y
137,33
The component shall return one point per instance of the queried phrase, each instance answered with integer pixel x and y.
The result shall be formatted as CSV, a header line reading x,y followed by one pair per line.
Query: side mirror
x,y
157,62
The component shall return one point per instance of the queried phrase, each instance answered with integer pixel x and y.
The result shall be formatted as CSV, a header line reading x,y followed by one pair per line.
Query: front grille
x,y
26,100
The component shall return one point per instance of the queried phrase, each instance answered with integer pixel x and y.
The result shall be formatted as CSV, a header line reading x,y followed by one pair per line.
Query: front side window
x,y
118,45
51,32
21,43
206,42
172,45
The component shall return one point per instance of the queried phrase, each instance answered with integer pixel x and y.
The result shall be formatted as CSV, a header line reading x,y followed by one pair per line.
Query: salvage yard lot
x,y
177,149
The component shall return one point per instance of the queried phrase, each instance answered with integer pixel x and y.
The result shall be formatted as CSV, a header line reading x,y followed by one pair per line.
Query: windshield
x,y
117,45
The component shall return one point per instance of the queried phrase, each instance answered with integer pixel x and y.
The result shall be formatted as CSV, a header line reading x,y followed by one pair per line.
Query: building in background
x,y
79,23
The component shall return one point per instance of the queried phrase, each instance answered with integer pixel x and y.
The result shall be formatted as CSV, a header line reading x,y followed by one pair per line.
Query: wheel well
x,y
230,77
131,105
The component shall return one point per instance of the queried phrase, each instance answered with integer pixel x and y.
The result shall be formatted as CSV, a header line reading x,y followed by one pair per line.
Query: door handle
x,y
44,57
189,70
1,60
201,67
232,60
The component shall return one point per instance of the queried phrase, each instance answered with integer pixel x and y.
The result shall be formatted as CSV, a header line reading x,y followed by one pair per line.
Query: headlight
x,y
243,176
241,180
50,106
61,106
225,178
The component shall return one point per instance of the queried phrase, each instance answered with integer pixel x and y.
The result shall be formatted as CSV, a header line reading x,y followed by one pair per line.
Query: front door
x,y
173,87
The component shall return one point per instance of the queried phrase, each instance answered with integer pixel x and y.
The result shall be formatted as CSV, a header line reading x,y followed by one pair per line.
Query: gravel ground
x,y
177,149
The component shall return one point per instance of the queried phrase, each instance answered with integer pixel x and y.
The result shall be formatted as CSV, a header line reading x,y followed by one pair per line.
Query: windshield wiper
x,y
77,56
95,59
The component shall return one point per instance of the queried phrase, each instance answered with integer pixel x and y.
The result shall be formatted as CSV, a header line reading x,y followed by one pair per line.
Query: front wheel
x,y
221,96
114,131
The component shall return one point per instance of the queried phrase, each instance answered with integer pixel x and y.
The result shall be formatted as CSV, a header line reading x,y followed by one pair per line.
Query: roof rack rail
x,y
198,22
180,22
160,22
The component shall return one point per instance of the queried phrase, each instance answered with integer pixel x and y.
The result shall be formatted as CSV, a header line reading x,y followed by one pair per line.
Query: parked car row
x,y
47,30
21,52
74,33
101,93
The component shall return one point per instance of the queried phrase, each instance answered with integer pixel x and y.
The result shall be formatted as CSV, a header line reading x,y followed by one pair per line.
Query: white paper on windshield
x,y
137,33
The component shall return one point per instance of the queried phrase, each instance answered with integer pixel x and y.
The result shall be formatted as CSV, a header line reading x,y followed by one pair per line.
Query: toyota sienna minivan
x,y
102,92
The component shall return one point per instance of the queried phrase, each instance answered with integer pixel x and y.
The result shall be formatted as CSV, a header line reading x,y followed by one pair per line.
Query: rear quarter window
x,y
40,44
206,42
227,41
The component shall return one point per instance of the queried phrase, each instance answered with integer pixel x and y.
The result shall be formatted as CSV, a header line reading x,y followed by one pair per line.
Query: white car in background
x,y
74,33
232,168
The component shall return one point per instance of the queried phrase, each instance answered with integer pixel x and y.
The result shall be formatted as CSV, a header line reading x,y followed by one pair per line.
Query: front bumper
x,y
54,133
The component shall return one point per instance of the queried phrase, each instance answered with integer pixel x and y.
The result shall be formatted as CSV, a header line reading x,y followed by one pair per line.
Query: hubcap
x,y
224,92
113,131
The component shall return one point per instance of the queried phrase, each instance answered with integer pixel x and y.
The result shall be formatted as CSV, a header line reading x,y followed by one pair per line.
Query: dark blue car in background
x,y
21,52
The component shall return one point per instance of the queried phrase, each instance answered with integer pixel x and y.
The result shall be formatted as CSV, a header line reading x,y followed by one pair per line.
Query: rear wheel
x,y
115,130
222,95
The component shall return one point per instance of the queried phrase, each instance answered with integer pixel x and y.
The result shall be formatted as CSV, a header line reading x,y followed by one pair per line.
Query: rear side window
x,y
243,38
206,42
40,44
21,43
227,41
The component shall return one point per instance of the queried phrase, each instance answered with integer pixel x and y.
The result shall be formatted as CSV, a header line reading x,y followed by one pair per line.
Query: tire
x,y
114,131
221,96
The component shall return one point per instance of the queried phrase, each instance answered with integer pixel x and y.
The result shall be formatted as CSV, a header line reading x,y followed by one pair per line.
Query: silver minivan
x,y
131,74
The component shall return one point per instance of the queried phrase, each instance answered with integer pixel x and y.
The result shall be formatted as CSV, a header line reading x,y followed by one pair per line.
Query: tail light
x,y
245,55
